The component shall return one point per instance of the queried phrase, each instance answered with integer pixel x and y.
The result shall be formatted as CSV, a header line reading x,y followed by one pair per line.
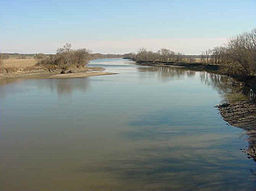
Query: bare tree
x,y
65,48
239,56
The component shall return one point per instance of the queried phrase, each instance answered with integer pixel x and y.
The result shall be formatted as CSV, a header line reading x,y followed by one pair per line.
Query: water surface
x,y
142,129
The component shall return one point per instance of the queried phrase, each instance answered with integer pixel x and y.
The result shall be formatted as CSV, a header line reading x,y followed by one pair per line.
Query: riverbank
x,y
27,68
43,74
242,114
191,66
239,114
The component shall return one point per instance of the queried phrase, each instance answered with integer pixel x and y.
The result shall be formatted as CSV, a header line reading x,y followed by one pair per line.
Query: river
x,y
142,129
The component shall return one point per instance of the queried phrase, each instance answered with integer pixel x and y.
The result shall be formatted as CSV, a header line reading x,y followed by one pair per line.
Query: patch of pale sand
x,y
79,75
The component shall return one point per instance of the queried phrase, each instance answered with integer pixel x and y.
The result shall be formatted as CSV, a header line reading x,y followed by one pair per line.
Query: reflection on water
x,y
143,129
167,73
230,89
67,86
61,86
5,82
226,86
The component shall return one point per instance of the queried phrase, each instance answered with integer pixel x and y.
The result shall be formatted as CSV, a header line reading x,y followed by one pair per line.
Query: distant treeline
x,y
101,56
17,55
163,55
41,55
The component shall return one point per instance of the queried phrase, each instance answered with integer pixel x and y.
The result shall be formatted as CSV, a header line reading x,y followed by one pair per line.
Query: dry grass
x,y
19,63
15,64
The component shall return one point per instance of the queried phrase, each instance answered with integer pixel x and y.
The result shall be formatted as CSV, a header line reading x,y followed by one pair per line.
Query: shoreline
x,y
43,74
192,66
242,114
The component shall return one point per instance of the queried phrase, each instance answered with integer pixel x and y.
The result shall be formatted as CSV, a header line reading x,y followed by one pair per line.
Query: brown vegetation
x,y
238,57
15,64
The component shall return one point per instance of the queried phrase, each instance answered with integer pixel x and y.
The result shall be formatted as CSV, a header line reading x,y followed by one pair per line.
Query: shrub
x,y
66,59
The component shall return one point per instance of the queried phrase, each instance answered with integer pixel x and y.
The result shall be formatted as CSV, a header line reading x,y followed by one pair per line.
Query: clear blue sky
x,y
188,26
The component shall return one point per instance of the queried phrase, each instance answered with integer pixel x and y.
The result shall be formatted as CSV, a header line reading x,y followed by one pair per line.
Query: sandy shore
x,y
42,74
